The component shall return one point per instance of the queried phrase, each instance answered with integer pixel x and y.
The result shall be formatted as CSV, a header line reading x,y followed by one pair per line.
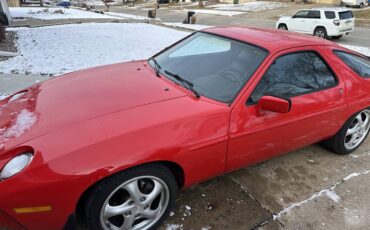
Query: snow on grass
x,y
128,16
54,13
23,122
66,48
363,50
250,6
216,12
187,26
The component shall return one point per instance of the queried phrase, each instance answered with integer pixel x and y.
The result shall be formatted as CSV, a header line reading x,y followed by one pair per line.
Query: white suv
x,y
320,22
359,3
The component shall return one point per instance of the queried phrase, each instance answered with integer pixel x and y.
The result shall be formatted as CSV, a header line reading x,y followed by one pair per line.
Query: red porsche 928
x,y
109,147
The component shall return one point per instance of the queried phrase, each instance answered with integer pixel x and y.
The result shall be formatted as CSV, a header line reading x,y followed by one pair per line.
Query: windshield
x,y
217,67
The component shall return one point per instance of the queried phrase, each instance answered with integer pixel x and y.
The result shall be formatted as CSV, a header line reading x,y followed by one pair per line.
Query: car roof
x,y
329,9
270,39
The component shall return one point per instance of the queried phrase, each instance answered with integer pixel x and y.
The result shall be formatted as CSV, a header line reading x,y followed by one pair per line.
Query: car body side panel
x,y
314,117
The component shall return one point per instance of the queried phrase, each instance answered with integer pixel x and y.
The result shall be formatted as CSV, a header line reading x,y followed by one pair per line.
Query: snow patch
x,y
128,16
363,50
250,6
23,122
174,227
216,12
328,192
54,13
66,48
187,26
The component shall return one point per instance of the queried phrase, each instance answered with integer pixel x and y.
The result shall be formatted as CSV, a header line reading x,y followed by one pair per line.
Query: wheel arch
x,y
283,24
176,170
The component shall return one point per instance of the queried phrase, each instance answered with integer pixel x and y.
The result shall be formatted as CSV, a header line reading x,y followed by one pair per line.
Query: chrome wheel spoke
x,y
133,189
150,214
149,198
128,222
110,211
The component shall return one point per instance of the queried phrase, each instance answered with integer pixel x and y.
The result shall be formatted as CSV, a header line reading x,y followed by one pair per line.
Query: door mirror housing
x,y
273,104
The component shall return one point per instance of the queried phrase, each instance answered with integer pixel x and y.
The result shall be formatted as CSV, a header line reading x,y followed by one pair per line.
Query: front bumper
x,y
7,222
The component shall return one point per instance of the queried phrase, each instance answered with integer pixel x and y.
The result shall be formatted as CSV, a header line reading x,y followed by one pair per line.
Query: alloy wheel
x,y
357,130
137,204
320,34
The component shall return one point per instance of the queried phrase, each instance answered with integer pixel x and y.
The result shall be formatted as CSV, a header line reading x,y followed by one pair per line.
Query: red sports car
x,y
109,147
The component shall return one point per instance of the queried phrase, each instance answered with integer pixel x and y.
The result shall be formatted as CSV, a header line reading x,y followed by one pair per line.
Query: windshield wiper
x,y
157,67
187,84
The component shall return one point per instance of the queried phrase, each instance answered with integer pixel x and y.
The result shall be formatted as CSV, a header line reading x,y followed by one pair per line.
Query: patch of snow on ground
x,y
363,50
174,227
54,13
216,12
24,121
332,195
66,48
250,6
129,16
187,26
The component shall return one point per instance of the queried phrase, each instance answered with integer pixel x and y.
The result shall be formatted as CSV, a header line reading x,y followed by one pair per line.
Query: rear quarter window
x,y
345,15
330,14
359,65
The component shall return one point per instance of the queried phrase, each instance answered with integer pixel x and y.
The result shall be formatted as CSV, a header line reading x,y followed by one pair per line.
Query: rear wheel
x,y
362,5
320,32
282,27
342,4
138,198
352,134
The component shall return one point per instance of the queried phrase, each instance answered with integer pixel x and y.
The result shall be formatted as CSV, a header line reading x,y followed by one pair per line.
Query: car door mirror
x,y
273,104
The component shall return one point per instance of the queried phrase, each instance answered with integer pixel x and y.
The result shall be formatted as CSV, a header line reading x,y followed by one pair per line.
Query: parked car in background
x,y
358,3
110,146
320,22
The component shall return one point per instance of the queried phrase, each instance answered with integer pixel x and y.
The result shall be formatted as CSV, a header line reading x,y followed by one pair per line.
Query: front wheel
x,y
352,134
138,198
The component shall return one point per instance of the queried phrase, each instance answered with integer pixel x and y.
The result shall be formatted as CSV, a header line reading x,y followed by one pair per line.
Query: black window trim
x,y
354,54
299,94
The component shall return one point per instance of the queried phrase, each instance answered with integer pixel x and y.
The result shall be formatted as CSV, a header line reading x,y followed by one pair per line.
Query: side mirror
x,y
273,104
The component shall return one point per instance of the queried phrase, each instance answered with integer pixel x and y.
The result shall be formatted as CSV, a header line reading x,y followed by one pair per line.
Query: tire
x,y
362,5
320,32
282,27
337,37
143,192
342,4
340,143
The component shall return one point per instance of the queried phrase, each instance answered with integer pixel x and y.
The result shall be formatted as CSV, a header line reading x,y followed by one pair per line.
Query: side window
x,y
314,14
294,74
301,14
358,64
330,14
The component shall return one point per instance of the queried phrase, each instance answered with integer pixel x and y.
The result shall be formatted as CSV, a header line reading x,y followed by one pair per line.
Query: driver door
x,y
317,108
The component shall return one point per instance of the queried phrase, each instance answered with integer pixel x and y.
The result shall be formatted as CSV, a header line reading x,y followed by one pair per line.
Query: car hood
x,y
78,97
